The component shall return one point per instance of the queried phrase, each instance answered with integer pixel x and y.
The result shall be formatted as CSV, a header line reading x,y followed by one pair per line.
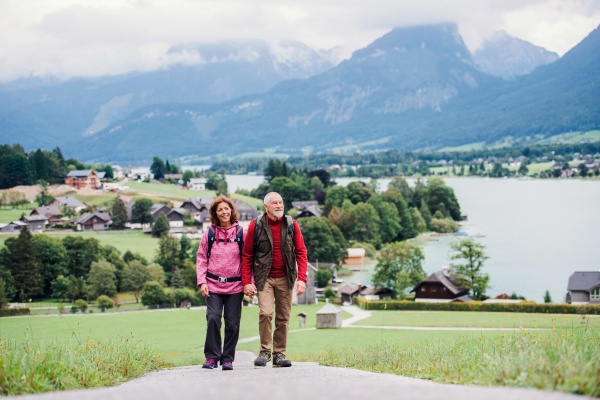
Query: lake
x,y
537,232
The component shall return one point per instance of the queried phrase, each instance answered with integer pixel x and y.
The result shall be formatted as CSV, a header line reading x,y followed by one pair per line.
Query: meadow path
x,y
302,381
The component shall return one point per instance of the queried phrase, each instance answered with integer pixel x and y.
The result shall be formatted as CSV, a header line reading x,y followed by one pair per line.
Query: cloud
x,y
66,38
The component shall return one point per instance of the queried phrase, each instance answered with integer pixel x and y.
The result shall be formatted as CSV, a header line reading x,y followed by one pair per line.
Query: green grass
x,y
464,147
157,327
473,319
10,215
563,360
136,242
97,200
33,366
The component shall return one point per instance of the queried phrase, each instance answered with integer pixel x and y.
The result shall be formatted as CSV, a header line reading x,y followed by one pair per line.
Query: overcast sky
x,y
68,38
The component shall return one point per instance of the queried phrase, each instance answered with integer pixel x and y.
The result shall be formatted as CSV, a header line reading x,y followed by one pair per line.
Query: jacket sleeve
x,y
301,255
248,256
202,259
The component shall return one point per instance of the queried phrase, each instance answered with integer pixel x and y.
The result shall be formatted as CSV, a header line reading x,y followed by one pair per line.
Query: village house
x,y
14,226
349,291
175,177
159,208
307,209
93,222
197,184
68,201
176,217
84,178
117,171
52,214
246,211
355,256
441,287
370,292
198,208
584,288
310,295
35,222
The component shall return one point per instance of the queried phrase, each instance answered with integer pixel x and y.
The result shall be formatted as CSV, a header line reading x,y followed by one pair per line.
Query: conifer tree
x,y
161,226
119,216
176,279
25,264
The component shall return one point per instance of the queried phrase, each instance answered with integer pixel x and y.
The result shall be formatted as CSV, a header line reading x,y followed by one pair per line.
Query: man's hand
x,y
250,289
204,290
300,287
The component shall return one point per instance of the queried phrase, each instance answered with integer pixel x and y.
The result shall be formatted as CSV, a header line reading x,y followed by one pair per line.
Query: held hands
x,y
250,289
300,287
204,290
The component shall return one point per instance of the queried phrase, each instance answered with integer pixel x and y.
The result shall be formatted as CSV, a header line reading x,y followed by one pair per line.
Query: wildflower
x,y
26,351
535,326
479,337
563,335
500,335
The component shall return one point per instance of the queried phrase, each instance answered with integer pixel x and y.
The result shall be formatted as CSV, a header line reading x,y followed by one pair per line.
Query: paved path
x,y
301,382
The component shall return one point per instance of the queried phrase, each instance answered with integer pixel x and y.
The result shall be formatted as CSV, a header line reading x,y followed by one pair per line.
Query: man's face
x,y
275,206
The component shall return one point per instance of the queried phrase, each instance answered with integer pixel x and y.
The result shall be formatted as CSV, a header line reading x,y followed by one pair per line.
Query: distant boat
x,y
459,233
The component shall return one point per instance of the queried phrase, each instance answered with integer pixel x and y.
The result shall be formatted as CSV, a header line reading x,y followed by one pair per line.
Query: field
x,y
478,319
136,242
10,215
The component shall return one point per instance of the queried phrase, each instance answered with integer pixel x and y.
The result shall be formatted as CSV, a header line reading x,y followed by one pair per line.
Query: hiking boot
x,y
263,358
227,366
280,361
209,363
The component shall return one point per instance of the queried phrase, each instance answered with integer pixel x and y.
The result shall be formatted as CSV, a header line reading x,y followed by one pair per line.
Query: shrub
x,y
11,312
443,225
153,293
525,307
80,305
179,295
105,302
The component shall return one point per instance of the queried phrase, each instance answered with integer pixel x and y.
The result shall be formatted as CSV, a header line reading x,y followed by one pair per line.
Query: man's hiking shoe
x,y
262,359
280,361
209,363
227,366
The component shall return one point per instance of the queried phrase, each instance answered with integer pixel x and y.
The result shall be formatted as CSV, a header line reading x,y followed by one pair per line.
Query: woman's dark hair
x,y
214,219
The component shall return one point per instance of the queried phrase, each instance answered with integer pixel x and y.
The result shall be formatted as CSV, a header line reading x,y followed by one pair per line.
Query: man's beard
x,y
278,214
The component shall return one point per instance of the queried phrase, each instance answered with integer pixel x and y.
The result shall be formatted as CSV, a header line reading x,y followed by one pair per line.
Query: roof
x,y
301,205
47,210
462,299
312,267
86,216
351,288
583,280
313,210
19,223
31,218
356,252
372,290
157,207
446,278
80,173
200,202
242,207
69,201
197,180
181,211
329,309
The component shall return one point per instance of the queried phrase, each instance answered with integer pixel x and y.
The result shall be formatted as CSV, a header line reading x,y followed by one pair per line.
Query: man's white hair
x,y
268,197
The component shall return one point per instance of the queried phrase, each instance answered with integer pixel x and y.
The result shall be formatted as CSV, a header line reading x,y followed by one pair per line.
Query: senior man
x,y
274,251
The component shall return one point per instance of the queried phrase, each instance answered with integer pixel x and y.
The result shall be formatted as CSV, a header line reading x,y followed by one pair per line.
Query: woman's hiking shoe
x,y
262,359
209,363
280,361
227,366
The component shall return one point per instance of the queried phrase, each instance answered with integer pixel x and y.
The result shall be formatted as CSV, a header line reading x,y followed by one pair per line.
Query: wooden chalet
x,y
159,208
35,222
93,222
68,201
441,287
175,217
355,256
198,208
307,209
52,213
84,178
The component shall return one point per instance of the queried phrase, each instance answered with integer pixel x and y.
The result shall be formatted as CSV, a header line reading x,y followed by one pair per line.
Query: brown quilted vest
x,y
263,253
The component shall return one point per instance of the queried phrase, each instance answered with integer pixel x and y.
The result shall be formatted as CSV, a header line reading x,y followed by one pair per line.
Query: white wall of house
x,y
419,300
176,224
198,186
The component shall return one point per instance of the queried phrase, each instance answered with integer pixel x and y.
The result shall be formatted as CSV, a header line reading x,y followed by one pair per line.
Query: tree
x,y
82,253
389,226
547,297
153,294
104,302
497,170
315,186
289,190
395,258
423,168
140,212
128,256
110,173
161,225
135,275
3,299
357,193
15,170
523,170
21,258
54,260
188,274
43,198
443,225
222,188
156,273
168,253
176,279
335,197
438,194
470,275
417,220
407,230
102,279
322,174
425,213
119,214
323,277
187,176
260,192
185,245
76,288
323,240
359,222
158,168
583,170
60,288
276,168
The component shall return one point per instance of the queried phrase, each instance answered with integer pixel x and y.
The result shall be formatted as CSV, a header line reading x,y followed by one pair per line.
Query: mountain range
x,y
414,88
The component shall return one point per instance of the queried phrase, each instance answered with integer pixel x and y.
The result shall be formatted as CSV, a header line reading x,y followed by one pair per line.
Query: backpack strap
x,y
239,238
291,228
257,231
211,240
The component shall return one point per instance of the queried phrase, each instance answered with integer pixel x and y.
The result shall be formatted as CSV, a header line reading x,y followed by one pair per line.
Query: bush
x,y
11,312
179,295
443,225
369,248
323,277
528,307
153,294
329,293
80,305
105,302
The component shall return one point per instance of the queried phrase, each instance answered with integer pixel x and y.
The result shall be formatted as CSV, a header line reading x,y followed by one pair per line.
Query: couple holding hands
x,y
268,260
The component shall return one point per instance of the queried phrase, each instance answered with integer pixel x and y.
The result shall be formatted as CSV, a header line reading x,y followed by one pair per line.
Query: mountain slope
x,y
45,113
508,57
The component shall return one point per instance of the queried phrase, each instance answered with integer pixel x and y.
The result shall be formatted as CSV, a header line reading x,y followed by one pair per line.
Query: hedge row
x,y
11,312
477,306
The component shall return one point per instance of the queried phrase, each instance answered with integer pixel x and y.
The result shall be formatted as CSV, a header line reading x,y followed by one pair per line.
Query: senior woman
x,y
218,267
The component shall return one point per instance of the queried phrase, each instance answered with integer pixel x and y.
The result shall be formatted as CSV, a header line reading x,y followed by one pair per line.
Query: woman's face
x,y
224,213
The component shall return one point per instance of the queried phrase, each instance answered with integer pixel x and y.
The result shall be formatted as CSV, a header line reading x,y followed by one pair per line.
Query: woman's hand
x,y
204,290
